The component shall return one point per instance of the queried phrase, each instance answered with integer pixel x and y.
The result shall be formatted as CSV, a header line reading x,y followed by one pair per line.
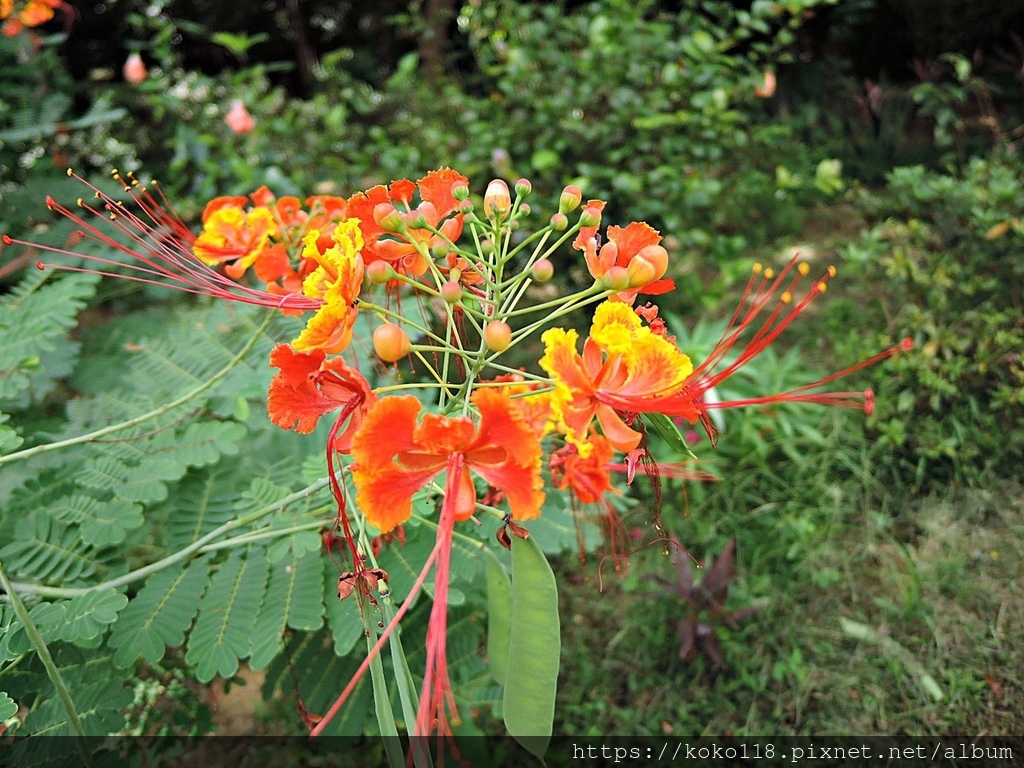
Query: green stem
x,y
36,450
32,631
182,554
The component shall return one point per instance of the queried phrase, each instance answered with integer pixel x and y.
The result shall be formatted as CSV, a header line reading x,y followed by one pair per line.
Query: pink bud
x,y
134,69
238,118
387,217
570,198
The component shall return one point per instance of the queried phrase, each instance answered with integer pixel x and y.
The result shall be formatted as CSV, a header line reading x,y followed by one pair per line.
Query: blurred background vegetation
x,y
884,555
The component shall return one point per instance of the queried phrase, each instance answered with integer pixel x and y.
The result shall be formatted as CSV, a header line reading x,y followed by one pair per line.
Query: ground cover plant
x,y
463,381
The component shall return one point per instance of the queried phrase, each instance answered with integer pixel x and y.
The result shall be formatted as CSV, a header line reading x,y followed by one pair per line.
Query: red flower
x,y
396,454
310,386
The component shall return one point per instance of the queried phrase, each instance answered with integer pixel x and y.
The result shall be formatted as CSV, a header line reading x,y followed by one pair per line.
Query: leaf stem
x,y
182,554
51,667
46,447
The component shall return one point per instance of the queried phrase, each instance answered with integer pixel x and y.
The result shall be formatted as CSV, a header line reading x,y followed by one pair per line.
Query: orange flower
x,y
632,251
396,454
626,368
233,237
336,282
587,476
309,386
622,365
436,206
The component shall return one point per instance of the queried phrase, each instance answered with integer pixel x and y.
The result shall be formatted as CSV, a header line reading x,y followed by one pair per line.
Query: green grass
x,y
931,585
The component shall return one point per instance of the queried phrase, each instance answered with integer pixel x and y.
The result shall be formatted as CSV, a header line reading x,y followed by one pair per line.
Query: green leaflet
x,y
159,614
668,431
46,552
227,614
532,674
34,319
499,615
294,599
8,707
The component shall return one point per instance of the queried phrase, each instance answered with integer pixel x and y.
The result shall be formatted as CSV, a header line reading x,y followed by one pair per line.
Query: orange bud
x,y
134,69
543,270
570,198
648,265
497,335
451,291
380,272
391,342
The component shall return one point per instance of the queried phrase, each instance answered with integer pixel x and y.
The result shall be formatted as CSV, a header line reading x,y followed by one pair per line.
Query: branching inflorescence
x,y
490,428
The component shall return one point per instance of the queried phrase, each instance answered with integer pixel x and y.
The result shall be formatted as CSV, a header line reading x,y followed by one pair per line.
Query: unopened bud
x,y
466,206
559,221
388,218
451,291
497,200
460,190
590,217
525,209
542,270
648,265
419,221
391,342
238,118
134,69
379,272
570,199
616,279
497,335
523,187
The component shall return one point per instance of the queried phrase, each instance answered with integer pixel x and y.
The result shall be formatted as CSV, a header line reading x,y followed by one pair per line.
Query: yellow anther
x,y
831,271
769,273
822,286
803,268
757,267
81,202
113,217
127,189
120,203
786,297
70,172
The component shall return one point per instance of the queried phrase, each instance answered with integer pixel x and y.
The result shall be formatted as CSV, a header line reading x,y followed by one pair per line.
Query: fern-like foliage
x,y
227,615
160,614
34,320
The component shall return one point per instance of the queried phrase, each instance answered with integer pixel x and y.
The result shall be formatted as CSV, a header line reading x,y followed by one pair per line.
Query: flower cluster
x,y
17,16
492,428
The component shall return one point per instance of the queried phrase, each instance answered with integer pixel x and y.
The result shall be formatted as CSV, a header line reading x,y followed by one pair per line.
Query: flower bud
x,y
591,216
388,218
542,270
238,118
451,291
466,206
497,200
380,272
497,335
648,265
460,190
616,279
391,342
134,69
571,197
559,221
523,187
525,209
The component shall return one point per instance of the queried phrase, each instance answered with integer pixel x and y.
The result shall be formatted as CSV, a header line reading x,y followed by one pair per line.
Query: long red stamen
x,y
159,247
437,693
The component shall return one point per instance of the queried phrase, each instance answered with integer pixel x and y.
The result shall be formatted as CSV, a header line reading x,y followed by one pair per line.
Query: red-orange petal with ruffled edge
x,y
436,188
631,238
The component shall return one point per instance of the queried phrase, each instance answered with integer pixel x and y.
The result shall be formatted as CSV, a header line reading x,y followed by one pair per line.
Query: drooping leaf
x,y
499,615
532,675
